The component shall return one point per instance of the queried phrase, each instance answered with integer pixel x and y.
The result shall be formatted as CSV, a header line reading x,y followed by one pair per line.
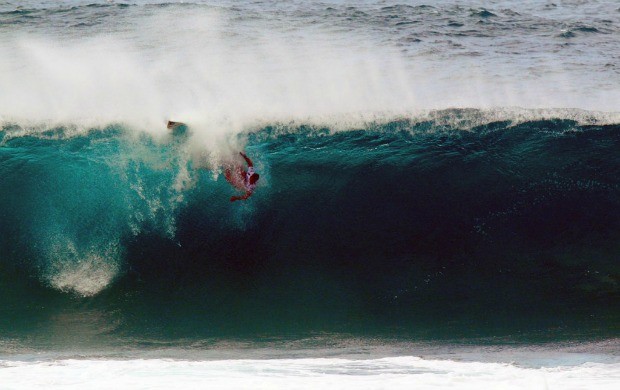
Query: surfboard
x,y
171,125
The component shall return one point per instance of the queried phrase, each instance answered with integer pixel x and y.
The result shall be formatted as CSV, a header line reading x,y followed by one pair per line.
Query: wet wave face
x,y
445,169
424,221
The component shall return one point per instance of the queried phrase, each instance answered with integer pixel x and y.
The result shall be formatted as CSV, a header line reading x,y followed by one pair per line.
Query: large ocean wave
x,y
456,214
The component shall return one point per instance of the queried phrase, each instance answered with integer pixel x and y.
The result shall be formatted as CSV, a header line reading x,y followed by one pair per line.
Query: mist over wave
x,y
204,78
223,68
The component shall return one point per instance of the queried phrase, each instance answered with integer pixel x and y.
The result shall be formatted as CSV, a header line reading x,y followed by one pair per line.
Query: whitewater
x,y
439,201
386,373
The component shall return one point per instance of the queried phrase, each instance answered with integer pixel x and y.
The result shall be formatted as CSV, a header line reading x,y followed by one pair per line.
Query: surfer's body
x,y
241,179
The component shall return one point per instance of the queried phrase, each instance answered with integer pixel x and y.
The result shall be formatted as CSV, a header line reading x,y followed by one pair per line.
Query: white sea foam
x,y
385,373
84,272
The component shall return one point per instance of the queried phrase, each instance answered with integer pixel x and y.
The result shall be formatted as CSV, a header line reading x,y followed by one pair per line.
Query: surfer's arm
x,y
247,159
242,197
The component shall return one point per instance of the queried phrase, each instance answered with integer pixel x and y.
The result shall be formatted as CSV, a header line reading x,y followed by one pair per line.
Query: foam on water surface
x,y
386,373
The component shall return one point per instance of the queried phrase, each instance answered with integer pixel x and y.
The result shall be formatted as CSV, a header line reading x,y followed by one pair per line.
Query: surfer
x,y
241,179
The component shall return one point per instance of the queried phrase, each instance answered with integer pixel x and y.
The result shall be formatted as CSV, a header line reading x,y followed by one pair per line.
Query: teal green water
x,y
404,231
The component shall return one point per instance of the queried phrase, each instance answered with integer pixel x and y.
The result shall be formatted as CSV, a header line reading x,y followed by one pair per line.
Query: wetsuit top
x,y
246,182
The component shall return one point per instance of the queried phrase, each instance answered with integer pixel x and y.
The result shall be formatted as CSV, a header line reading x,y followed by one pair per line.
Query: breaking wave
x,y
444,214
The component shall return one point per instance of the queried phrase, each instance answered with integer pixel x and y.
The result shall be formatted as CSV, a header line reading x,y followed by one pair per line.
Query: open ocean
x,y
439,202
